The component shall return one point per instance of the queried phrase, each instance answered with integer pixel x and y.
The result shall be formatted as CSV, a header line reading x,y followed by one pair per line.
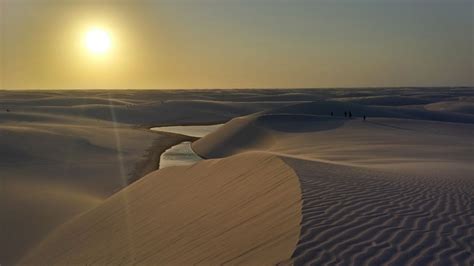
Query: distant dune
x,y
391,143
461,106
284,181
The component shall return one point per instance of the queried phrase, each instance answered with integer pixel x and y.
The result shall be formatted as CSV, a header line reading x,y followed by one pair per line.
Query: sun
x,y
97,41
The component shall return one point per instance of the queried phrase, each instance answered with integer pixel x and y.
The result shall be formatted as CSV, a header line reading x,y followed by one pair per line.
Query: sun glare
x,y
98,41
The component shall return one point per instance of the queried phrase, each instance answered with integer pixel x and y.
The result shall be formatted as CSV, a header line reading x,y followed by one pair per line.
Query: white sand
x,y
63,153
202,214
395,189
384,191
52,172
414,146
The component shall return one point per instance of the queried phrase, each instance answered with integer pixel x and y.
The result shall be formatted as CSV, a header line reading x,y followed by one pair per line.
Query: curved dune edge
x,y
241,209
392,213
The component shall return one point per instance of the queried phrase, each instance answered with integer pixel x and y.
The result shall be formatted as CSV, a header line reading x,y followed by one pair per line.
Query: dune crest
x,y
375,192
236,210
300,183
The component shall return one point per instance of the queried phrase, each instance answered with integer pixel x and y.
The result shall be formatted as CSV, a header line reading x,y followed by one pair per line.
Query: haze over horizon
x,y
236,44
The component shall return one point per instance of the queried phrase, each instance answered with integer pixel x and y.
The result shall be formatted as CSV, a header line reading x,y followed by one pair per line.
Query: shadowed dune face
x,y
31,209
186,215
52,172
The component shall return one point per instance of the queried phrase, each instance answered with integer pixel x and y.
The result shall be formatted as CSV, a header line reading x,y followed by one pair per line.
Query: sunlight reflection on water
x,y
183,154
180,154
192,131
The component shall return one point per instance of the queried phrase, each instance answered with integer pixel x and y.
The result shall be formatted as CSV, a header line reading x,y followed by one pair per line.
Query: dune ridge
x,y
377,192
290,185
90,144
390,143
246,210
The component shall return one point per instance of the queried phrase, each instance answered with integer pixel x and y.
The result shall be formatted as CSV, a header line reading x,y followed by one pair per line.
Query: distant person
x,y
364,117
332,114
345,114
350,114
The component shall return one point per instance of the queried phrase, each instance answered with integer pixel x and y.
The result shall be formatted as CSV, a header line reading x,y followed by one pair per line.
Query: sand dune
x,y
153,112
51,172
460,106
338,108
247,209
292,184
392,144
375,192
80,147
389,100
357,216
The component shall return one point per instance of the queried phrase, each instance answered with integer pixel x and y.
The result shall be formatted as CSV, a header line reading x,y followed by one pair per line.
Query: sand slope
x,y
385,191
64,152
460,106
411,145
240,210
395,189
49,172
358,216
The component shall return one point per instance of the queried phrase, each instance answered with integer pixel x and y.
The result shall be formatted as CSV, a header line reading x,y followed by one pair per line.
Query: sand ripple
x,y
364,217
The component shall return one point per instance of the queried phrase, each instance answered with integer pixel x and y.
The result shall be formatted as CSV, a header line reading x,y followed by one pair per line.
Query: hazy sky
x,y
237,43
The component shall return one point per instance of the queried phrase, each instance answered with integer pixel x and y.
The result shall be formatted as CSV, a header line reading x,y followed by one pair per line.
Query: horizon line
x,y
244,88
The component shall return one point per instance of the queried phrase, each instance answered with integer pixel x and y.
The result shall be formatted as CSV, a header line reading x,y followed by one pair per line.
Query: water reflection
x,y
180,154
183,154
193,131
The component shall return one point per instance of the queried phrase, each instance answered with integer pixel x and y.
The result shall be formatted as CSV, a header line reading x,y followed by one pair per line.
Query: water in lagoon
x,y
183,154
193,131
180,154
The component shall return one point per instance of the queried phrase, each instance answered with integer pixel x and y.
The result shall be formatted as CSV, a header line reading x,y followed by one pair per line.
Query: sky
x,y
181,44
